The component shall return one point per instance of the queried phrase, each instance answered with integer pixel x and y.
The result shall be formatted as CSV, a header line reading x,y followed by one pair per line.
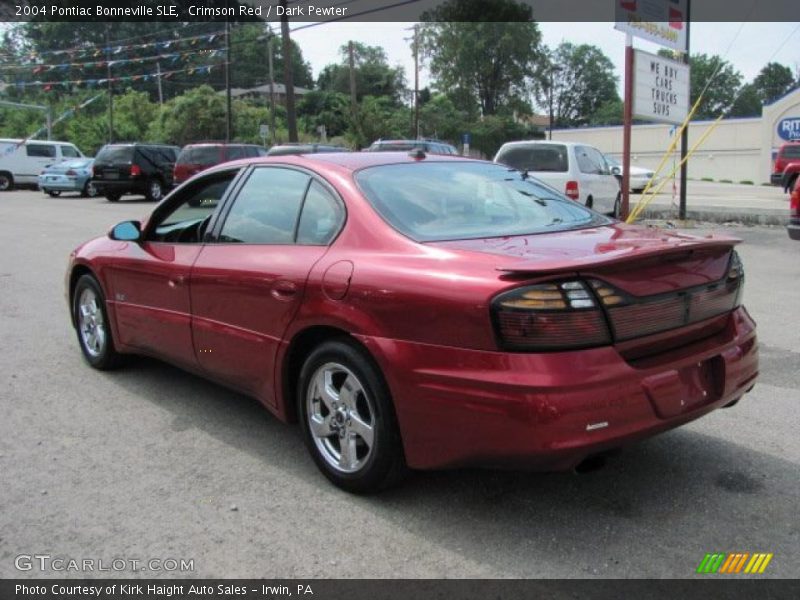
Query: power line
x,y
354,15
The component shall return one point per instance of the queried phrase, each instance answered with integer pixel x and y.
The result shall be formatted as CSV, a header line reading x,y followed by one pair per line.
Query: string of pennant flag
x,y
170,58
89,83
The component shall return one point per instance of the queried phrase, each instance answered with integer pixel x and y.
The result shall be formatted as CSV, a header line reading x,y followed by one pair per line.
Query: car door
x,y
608,185
247,286
149,282
38,156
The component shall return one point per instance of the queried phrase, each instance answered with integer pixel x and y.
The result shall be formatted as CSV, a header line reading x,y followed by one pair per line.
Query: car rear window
x,y
551,158
115,154
438,201
200,155
792,151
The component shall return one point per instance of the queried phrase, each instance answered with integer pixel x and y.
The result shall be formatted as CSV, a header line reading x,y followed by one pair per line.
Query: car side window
x,y
321,218
585,163
41,150
600,164
69,152
266,208
236,152
188,221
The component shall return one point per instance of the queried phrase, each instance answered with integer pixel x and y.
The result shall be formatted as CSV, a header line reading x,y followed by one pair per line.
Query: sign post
x,y
626,130
263,131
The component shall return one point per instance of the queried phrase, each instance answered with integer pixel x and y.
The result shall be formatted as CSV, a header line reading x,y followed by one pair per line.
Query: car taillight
x,y
794,200
571,191
71,173
135,171
550,316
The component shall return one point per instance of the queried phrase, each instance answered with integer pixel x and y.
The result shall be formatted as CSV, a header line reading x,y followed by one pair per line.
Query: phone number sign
x,y
659,21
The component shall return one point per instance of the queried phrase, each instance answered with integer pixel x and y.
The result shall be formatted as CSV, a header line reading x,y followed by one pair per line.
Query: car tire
x,y
113,197
6,182
362,417
92,325
53,193
790,185
89,191
589,202
155,190
617,206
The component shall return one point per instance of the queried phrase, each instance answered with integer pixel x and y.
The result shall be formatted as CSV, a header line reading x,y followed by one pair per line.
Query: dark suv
x,y
134,169
198,157
429,146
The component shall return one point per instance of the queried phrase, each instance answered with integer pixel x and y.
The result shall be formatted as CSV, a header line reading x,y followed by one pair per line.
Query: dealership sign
x,y
789,129
660,88
659,21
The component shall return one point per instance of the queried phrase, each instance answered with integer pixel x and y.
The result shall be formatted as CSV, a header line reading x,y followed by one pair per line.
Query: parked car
x,y
287,149
786,166
194,158
426,312
639,177
68,176
428,146
144,169
794,212
578,171
21,161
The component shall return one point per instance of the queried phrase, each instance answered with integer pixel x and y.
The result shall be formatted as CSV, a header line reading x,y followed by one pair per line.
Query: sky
x,y
750,50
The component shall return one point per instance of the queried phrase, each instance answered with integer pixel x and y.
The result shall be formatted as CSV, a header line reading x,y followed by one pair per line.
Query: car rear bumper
x,y
61,186
794,229
549,411
119,187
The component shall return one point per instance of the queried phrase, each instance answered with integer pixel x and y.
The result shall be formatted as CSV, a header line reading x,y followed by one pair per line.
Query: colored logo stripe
x,y
734,562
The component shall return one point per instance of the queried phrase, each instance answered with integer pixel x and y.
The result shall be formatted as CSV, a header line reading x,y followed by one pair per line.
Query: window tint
x,y
466,200
201,155
321,218
236,152
585,163
69,152
266,208
187,222
791,151
115,154
536,157
41,150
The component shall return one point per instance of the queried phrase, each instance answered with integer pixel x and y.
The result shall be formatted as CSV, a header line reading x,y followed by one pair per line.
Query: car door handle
x,y
284,290
176,281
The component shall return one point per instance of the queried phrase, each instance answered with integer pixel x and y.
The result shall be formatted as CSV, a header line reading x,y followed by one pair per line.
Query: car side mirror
x,y
616,170
127,231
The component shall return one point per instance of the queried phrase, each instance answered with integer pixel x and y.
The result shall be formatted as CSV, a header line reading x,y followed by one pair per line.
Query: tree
x,y
331,109
483,64
608,113
374,76
748,103
774,81
199,114
583,81
133,115
249,58
722,88
440,118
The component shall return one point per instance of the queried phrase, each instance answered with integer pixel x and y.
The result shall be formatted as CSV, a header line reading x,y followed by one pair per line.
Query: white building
x,y
737,149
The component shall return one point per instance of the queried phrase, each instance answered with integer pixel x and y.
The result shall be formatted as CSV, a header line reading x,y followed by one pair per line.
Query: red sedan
x,y
419,311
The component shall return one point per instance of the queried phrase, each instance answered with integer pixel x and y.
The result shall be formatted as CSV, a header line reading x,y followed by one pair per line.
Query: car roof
x,y
544,142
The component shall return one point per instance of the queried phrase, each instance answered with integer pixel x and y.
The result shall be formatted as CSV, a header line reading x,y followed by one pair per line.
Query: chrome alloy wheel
x,y
156,191
90,323
341,417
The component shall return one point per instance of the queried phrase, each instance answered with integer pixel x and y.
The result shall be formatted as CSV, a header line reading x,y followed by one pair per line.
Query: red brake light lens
x,y
571,190
135,171
71,173
794,200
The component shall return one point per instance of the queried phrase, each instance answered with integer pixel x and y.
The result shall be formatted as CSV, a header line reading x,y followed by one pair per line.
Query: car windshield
x,y
438,201
536,157
115,154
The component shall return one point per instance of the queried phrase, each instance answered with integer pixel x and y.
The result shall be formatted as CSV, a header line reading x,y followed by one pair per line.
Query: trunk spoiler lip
x,y
617,257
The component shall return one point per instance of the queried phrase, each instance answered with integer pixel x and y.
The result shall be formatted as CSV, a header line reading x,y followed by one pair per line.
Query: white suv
x,y
579,171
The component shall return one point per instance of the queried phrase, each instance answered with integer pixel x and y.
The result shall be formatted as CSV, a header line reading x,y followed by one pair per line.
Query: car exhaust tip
x,y
591,464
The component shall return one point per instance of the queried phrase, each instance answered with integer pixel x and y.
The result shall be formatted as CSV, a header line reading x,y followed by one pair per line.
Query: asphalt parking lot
x,y
151,462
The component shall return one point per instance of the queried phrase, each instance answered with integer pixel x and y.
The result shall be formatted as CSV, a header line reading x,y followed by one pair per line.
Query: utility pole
x,y
685,134
626,131
271,85
228,116
288,76
416,81
552,82
160,92
351,61
110,90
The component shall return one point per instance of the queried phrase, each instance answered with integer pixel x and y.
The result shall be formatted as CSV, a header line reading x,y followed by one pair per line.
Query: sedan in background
x,y
68,176
421,311
640,177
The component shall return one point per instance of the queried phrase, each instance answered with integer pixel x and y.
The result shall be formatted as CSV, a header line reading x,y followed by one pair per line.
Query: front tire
x,y
89,191
617,206
92,325
589,202
53,193
6,182
348,419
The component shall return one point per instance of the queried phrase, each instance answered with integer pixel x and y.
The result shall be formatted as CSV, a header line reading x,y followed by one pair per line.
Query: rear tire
x,y
155,190
348,419
6,182
617,206
790,185
589,202
89,191
113,197
93,326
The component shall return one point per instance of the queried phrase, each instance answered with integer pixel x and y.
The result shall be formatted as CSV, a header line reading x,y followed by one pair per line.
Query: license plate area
x,y
683,390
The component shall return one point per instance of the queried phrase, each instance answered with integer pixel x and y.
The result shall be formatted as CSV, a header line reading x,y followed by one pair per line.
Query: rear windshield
x,y
792,151
200,155
536,157
464,200
115,154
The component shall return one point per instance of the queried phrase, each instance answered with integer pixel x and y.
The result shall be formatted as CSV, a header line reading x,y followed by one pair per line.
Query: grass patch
x,y
746,182
706,179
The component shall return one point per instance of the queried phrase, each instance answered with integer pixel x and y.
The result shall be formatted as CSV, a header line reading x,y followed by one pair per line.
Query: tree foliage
x,y
722,88
774,81
583,81
373,74
488,65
